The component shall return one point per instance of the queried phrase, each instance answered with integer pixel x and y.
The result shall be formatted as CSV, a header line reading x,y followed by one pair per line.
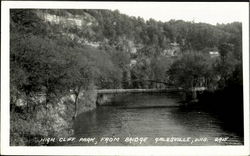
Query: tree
x,y
190,70
226,65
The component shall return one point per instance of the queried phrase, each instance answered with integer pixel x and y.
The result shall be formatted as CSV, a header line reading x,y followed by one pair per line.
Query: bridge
x,y
105,96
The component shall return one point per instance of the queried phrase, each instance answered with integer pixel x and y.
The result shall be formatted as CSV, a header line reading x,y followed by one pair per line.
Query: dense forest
x,y
56,54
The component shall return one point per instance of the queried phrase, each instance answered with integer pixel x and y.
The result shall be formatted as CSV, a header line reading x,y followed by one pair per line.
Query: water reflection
x,y
152,116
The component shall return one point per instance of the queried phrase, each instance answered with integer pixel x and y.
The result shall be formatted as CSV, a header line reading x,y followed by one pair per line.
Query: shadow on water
x,y
227,105
207,123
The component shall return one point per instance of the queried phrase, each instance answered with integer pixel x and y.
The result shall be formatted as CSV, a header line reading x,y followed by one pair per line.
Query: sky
x,y
209,12
205,12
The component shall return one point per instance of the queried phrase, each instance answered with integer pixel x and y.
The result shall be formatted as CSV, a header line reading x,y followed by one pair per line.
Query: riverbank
x,y
53,119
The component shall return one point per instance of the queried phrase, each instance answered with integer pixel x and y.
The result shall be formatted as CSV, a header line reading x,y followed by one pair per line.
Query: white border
x,y
147,150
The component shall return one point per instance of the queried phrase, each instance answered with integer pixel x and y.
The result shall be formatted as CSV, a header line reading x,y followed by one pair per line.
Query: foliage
x,y
228,65
41,64
190,70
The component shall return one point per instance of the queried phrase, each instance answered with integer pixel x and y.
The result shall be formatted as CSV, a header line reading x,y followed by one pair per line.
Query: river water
x,y
151,119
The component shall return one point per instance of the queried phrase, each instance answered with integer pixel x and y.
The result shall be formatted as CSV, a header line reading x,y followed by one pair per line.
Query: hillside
x,y
124,32
132,38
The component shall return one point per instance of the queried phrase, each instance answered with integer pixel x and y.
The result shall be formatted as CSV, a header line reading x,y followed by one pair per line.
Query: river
x,y
151,120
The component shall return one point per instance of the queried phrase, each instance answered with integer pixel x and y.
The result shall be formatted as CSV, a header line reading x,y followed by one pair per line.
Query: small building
x,y
214,54
133,62
173,50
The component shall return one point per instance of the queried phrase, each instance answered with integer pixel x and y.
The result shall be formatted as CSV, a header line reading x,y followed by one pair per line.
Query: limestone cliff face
x,y
72,26
81,28
67,19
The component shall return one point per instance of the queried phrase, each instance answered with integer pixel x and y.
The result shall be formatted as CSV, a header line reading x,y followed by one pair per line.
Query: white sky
x,y
207,12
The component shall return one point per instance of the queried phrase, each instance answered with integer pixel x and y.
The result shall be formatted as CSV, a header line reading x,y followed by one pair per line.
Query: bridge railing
x,y
103,91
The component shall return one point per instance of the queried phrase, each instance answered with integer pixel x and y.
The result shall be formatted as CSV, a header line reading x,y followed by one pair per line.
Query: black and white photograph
x,y
122,74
